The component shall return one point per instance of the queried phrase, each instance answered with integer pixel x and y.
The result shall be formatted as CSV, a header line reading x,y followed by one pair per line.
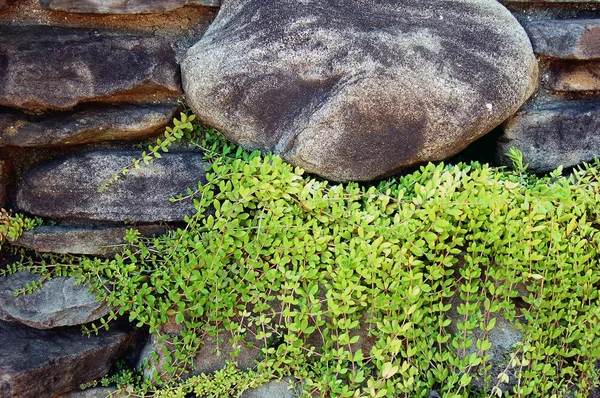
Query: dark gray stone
x,y
566,39
5,182
355,90
57,303
434,394
273,389
93,241
122,123
213,355
566,134
206,361
503,338
46,363
67,188
122,7
44,67
97,392
575,76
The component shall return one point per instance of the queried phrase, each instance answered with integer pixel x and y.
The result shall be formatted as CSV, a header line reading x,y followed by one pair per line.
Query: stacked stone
x,y
73,79
561,125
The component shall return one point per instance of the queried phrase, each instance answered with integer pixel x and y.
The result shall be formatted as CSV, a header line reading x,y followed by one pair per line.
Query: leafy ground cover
x,y
349,288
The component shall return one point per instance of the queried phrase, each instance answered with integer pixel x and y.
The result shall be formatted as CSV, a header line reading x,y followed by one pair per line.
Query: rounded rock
x,y
357,90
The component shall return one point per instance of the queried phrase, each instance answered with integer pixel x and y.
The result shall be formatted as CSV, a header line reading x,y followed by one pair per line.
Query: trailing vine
x,y
349,288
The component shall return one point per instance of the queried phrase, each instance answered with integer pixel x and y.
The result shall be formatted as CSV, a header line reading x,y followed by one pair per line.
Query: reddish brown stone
x,y
575,76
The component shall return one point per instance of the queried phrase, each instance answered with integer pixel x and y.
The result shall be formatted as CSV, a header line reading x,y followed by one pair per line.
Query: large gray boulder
x,y
47,363
44,67
357,90
67,188
57,303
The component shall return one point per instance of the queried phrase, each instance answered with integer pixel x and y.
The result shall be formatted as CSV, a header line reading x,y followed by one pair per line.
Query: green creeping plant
x,y
389,290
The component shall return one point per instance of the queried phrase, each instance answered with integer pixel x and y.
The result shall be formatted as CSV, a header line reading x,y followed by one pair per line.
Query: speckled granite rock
x,y
355,90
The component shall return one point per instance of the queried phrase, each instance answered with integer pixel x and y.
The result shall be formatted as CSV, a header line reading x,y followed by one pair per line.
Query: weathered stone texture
x,y
566,39
575,76
46,363
45,67
93,241
68,188
57,303
122,7
101,123
559,134
356,91
503,338
5,182
273,389
96,392
206,361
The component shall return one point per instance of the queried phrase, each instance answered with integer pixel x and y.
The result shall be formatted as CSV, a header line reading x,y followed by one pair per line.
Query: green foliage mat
x,y
349,288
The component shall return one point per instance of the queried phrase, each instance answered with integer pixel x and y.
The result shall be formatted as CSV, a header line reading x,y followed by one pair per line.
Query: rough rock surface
x,y
566,39
46,363
355,90
5,181
93,241
503,337
57,303
108,123
206,360
97,392
67,188
557,134
273,389
122,7
82,65
575,76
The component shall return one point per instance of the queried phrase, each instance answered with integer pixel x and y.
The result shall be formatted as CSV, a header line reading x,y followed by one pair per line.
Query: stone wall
x,y
561,124
81,81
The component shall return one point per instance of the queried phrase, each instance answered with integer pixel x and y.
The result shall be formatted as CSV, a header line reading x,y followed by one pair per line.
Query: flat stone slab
x,y
57,303
558,134
122,7
96,392
575,76
46,363
566,39
103,123
83,65
91,241
354,90
67,188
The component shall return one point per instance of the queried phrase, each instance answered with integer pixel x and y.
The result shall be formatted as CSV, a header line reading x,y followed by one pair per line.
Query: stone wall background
x,y
561,123
80,83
